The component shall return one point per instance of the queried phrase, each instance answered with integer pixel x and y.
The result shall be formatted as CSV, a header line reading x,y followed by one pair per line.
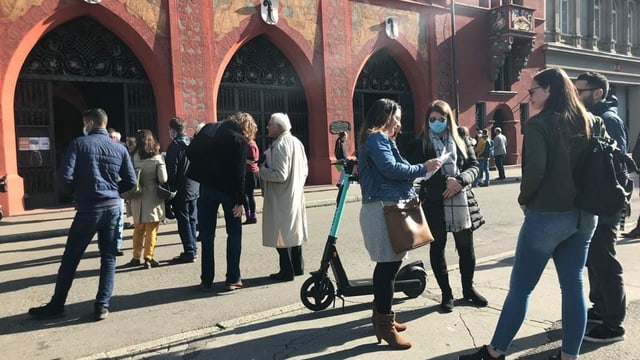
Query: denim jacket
x,y
384,174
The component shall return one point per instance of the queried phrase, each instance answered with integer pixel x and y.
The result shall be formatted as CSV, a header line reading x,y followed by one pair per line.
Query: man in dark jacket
x,y
218,156
96,170
184,203
605,271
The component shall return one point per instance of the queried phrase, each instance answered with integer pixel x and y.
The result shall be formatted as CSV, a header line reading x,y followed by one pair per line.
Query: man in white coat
x,y
283,174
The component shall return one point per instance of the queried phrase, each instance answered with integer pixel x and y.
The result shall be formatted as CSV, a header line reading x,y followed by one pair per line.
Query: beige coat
x,y
284,217
149,207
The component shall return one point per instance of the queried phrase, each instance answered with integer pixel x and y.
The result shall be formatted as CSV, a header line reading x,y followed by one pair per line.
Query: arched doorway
x,y
260,80
78,65
382,77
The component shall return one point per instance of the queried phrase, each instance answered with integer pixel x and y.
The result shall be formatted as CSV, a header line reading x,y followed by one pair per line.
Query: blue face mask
x,y
438,126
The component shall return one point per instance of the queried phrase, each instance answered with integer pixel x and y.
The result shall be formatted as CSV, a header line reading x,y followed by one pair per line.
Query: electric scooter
x,y
318,292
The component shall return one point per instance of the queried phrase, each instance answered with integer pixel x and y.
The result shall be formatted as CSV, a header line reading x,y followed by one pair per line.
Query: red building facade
x,y
146,61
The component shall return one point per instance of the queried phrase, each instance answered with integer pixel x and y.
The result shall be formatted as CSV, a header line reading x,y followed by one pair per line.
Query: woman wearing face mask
x,y
444,198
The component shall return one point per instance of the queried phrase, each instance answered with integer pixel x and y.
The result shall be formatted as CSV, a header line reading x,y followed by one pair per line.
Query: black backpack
x,y
604,185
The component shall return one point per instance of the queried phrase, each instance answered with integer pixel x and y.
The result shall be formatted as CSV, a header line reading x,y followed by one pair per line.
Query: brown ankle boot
x,y
385,330
399,326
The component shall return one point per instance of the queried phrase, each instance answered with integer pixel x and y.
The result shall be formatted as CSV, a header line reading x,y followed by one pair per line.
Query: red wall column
x,y
336,36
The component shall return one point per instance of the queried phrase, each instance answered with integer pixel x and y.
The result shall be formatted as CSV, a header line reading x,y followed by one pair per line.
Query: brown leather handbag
x,y
407,226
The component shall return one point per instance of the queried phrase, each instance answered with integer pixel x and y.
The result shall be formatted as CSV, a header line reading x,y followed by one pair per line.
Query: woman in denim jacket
x,y
385,179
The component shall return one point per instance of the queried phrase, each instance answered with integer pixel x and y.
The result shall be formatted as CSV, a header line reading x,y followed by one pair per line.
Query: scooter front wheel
x,y
317,293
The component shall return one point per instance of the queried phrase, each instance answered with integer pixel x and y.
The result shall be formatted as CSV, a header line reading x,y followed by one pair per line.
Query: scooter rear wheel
x,y
317,293
415,275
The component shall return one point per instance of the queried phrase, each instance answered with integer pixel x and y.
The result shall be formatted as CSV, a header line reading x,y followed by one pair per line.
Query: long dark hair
x,y
377,118
564,100
146,144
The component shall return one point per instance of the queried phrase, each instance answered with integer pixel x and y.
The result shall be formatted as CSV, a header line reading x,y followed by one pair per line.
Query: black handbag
x,y
165,193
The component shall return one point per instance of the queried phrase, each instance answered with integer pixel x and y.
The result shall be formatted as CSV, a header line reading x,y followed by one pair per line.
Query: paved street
x,y
161,312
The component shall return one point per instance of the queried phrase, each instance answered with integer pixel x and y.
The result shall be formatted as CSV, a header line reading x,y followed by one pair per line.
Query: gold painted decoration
x,y
11,10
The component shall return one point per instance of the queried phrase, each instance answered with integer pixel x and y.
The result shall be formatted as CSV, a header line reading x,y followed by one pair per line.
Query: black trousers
x,y
499,159
605,277
464,245
384,277
291,261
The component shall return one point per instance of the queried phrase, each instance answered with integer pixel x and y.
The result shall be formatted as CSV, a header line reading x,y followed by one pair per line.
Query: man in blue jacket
x,y
605,271
184,203
96,170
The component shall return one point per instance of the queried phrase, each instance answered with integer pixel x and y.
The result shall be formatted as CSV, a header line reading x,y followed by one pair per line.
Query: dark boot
x,y
385,330
467,271
446,304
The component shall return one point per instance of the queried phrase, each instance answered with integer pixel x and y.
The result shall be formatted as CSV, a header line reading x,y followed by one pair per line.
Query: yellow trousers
x,y
146,233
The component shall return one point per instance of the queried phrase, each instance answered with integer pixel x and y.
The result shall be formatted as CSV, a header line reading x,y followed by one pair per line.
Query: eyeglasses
x,y
434,119
533,90
580,91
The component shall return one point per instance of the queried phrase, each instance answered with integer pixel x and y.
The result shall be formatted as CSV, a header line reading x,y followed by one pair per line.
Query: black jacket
x,y
616,128
218,157
177,167
421,150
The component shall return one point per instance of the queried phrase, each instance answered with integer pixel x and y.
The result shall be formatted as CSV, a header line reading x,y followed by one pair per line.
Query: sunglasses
x,y
433,119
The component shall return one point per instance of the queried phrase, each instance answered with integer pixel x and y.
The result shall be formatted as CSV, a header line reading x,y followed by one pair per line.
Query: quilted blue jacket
x,y
96,170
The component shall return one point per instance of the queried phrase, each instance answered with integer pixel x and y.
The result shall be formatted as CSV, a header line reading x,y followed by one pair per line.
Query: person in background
x,y
184,203
555,150
148,208
483,149
218,156
499,152
130,143
282,177
606,282
116,136
252,178
445,199
339,150
96,170
385,179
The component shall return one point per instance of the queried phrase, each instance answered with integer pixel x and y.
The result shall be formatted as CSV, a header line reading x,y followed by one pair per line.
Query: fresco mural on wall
x,y
11,10
151,12
368,21
301,15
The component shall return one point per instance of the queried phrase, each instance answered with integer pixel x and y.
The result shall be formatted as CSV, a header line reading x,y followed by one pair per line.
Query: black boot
x,y
467,270
471,295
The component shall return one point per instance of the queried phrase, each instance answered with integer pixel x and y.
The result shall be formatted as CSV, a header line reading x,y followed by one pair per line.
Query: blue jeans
x,y
208,204
86,224
185,211
483,173
563,236
120,226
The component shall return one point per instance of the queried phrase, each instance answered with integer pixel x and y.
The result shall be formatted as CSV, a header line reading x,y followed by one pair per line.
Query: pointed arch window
x,y
596,18
564,16
614,21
